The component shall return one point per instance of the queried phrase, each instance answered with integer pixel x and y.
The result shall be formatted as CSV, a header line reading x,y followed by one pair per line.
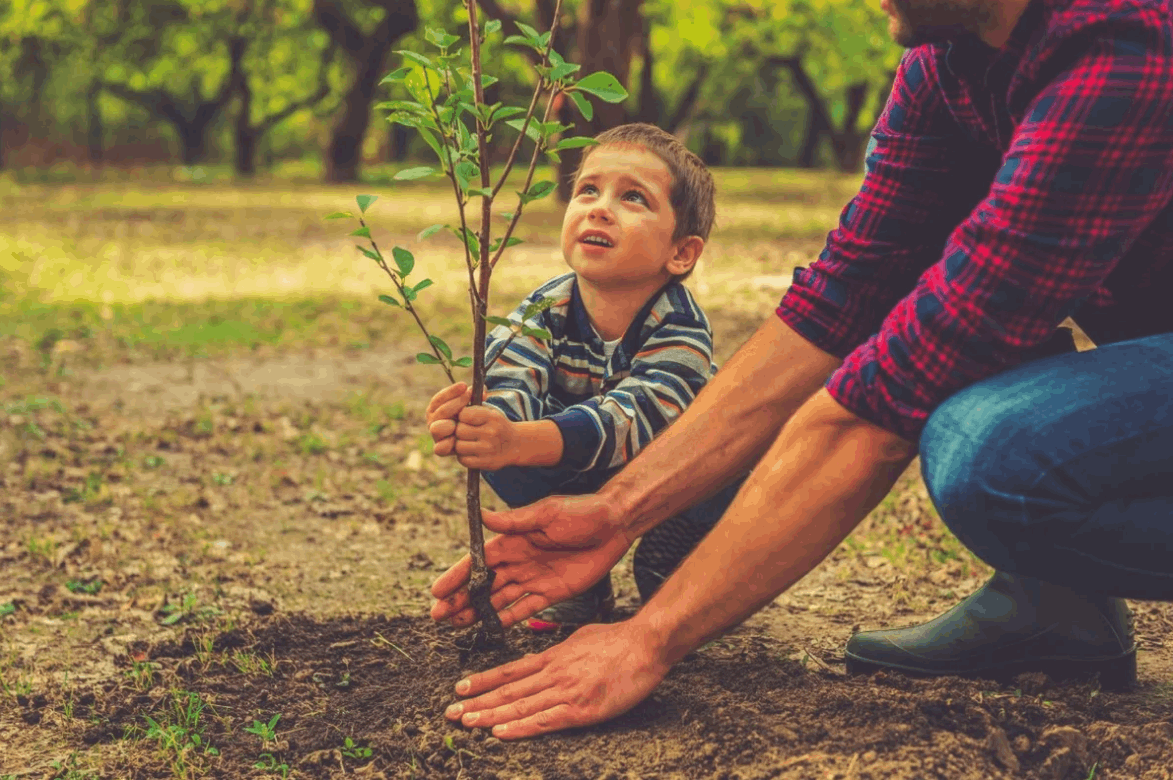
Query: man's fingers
x,y
556,718
497,677
451,581
529,606
515,521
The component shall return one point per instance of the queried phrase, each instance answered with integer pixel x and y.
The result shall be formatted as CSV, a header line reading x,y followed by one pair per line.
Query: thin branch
x,y
532,104
529,177
500,352
407,305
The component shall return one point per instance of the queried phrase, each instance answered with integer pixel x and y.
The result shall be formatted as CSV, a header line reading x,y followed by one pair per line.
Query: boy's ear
x,y
688,251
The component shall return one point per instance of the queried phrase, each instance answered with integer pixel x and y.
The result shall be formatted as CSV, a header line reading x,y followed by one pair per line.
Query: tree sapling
x,y
447,107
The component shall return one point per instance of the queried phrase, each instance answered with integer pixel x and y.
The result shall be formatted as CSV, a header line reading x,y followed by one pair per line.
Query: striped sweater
x,y
606,410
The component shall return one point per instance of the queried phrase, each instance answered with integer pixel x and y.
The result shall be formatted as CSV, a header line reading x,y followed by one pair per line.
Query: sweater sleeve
x,y
671,366
519,381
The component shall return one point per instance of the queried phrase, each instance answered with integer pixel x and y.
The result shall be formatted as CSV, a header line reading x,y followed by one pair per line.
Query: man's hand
x,y
442,412
486,439
572,684
546,553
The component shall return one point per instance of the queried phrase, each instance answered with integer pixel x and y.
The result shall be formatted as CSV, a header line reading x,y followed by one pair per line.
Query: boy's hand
x,y
443,410
486,439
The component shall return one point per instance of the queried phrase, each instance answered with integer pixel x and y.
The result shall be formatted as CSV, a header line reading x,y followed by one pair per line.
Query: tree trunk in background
x,y
848,144
368,54
191,121
811,133
95,132
397,143
245,153
609,35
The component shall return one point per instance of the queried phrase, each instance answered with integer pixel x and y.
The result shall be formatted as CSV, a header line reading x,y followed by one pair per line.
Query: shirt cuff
x,y
580,438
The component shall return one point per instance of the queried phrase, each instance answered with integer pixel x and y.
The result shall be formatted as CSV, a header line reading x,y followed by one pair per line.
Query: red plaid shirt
x,y
1005,191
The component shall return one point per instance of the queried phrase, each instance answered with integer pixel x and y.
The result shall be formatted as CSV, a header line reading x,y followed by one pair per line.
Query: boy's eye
x,y
635,195
587,189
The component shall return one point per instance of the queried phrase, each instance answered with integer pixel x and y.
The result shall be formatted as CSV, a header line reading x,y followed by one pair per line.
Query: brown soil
x,y
219,535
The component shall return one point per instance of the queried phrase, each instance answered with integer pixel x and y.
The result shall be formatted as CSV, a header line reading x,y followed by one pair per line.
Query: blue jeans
x,y
660,550
1062,469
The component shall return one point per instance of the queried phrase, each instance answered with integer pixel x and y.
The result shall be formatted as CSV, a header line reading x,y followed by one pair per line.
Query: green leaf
x,y
418,59
172,619
396,75
339,215
584,105
538,333
499,321
528,31
421,285
518,40
433,142
465,171
486,192
368,253
7,608
362,232
507,216
538,191
531,129
561,71
387,299
513,241
404,260
492,26
603,86
439,344
505,112
575,143
410,106
471,241
365,201
430,360
411,174
463,362
537,307
441,38
428,232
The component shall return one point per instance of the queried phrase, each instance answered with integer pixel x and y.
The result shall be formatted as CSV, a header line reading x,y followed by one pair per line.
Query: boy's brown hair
x,y
692,185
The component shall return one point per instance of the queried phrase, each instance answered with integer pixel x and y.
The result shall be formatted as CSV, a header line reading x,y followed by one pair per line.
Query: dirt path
x,y
255,537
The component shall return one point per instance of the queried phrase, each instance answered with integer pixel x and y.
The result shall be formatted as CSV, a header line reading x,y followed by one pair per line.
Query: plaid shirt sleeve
x,y
1088,168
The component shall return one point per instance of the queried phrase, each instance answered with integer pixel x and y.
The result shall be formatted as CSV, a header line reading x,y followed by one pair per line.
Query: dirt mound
x,y
364,695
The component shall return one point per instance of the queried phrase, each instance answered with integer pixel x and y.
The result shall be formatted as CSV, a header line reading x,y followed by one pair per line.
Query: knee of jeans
x,y
967,457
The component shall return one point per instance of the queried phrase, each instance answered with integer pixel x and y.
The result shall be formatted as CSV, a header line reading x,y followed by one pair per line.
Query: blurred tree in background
x,y
250,82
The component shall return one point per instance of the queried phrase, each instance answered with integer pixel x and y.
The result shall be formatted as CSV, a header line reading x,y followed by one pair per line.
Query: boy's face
x,y
617,232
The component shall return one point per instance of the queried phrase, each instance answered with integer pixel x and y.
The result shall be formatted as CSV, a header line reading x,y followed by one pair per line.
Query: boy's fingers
x,y
442,429
444,447
447,395
476,415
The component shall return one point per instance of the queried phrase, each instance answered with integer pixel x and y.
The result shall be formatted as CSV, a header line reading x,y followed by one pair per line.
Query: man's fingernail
x,y
499,731
455,710
463,686
471,720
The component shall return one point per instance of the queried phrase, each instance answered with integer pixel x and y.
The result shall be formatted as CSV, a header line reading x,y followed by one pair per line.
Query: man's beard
x,y
917,22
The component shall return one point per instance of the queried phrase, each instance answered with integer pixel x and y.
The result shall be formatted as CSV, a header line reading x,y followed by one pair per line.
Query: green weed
x,y
153,462
223,480
179,732
188,608
387,492
142,675
253,664
311,444
41,549
268,763
353,751
265,732
69,770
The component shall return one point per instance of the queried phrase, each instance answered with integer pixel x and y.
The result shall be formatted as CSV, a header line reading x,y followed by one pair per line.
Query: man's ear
x,y
688,251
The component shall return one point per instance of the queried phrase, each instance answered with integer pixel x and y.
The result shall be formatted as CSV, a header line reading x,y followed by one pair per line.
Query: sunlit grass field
x,y
168,263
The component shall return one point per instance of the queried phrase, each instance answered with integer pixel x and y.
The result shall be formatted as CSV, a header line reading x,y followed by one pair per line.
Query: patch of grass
x,y
90,587
311,444
252,664
142,675
179,733
187,608
41,549
387,492
69,770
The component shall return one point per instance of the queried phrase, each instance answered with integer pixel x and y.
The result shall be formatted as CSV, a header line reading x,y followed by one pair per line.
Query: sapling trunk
x,y
437,111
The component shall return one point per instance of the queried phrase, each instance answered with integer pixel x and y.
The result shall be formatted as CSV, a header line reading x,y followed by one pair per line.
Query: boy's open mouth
x,y
596,239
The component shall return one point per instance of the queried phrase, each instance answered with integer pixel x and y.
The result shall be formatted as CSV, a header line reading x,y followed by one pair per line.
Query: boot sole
x,y
1116,674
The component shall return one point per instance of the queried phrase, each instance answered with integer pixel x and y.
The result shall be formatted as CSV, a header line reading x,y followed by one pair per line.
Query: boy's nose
x,y
600,213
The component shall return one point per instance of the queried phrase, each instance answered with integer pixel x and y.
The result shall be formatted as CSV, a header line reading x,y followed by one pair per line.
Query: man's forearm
x,y
821,477
724,431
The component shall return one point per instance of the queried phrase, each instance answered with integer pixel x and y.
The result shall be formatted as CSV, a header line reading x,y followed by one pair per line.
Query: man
x,y
1020,174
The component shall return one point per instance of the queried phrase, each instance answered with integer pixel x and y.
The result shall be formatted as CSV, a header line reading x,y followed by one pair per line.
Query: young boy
x,y
629,349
